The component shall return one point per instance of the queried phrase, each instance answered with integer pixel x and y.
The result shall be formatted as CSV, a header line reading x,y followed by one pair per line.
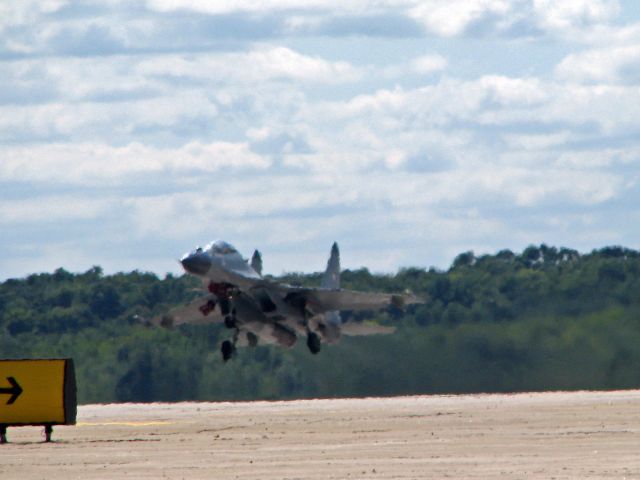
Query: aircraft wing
x,y
202,310
325,300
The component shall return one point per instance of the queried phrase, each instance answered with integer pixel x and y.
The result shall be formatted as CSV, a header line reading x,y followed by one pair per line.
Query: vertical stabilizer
x,y
331,278
256,262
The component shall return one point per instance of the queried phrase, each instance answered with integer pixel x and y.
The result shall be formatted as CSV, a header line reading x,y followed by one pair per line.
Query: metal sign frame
x,y
54,403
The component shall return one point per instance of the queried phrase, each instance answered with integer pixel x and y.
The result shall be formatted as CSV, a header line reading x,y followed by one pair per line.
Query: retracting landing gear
x,y
313,342
228,347
252,339
227,350
230,320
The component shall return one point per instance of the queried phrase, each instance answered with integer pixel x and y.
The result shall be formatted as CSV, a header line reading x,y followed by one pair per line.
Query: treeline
x,y
543,319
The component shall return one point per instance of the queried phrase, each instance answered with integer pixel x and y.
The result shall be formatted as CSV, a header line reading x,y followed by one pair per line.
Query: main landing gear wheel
x,y
227,350
313,342
252,339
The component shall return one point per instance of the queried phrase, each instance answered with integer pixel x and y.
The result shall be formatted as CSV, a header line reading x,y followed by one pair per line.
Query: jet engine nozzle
x,y
196,263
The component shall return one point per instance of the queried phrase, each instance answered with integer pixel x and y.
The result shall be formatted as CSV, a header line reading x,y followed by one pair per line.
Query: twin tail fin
x,y
331,277
256,262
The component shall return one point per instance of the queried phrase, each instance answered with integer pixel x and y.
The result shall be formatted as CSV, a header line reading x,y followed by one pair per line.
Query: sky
x,y
407,130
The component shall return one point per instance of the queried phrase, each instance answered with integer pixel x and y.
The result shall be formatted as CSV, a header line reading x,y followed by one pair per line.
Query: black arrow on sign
x,y
14,391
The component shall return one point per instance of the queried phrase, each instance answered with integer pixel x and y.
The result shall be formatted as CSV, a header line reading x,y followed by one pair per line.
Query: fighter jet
x,y
261,311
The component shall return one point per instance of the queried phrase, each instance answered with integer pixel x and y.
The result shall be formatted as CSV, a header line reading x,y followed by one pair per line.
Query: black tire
x,y
230,321
227,350
252,339
313,342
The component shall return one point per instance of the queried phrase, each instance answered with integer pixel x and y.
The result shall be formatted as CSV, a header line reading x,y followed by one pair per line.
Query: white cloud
x,y
48,256
602,159
183,133
259,65
446,18
449,18
100,163
529,188
514,92
20,12
486,130
447,101
536,142
254,6
566,14
617,64
143,76
52,209
429,63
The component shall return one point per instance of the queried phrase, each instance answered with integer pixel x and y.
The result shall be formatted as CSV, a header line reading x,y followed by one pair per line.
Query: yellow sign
x,y
37,392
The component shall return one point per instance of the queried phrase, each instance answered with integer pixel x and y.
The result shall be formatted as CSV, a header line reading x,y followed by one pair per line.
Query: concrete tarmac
x,y
559,435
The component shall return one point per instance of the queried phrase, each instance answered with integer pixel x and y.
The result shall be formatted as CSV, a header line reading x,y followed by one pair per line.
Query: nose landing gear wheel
x,y
230,321
313,342
227,350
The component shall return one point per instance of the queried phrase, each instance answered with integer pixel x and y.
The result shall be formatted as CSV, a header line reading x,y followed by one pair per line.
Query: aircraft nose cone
x,y
196,263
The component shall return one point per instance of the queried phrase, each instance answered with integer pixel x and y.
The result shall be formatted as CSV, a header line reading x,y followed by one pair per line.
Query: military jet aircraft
x,y
261,311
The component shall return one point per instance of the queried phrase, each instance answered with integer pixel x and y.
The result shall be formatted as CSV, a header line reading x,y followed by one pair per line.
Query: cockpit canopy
x,y
220,247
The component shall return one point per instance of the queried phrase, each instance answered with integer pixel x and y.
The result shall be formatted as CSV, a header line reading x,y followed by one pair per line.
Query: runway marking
x,y
124,424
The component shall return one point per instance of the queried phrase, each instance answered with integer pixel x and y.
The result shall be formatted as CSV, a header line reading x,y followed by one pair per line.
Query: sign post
x,y
37,392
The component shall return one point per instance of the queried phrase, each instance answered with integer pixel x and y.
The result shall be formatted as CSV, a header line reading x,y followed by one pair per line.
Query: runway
x,y
561,435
